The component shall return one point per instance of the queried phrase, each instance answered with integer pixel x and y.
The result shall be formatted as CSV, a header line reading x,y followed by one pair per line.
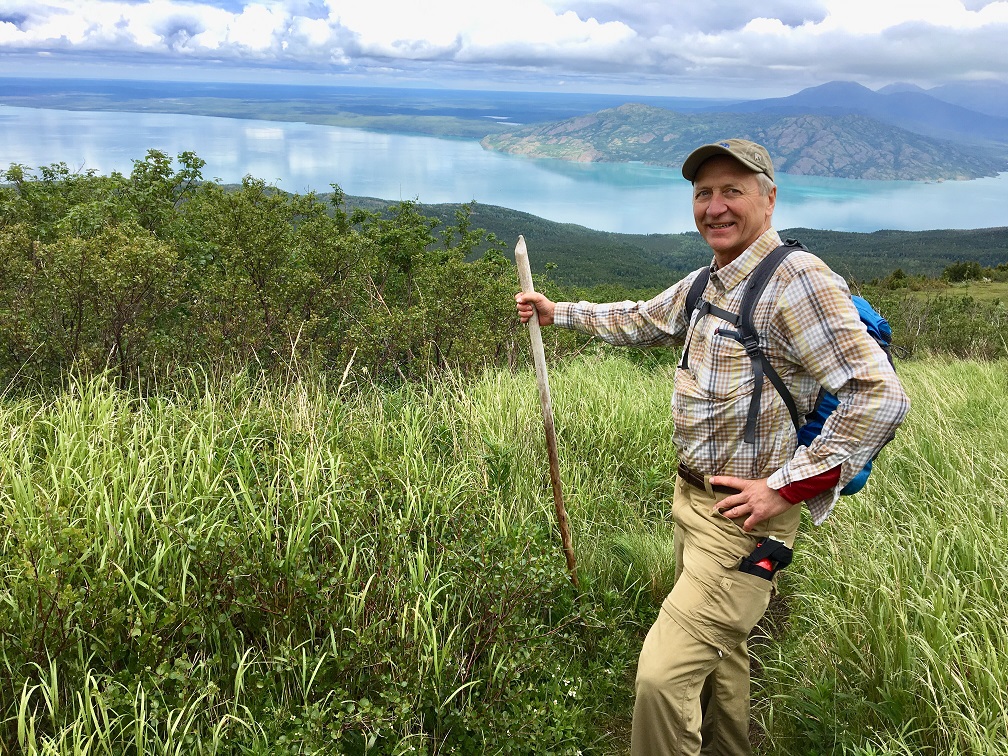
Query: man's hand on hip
x,y
755,499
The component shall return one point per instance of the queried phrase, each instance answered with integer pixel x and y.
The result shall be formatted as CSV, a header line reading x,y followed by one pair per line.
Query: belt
x,y
696,480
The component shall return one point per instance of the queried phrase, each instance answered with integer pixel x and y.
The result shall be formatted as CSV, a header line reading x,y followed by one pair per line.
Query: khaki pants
x,y
693,673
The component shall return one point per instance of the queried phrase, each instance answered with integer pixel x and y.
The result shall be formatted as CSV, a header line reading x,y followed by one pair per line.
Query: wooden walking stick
x,y
542,380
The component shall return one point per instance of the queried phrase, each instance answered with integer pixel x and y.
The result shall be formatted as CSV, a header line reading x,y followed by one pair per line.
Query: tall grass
x,y
315,568
250,568
898,638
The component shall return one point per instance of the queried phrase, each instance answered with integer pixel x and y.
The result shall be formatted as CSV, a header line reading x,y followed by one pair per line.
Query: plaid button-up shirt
x,y
812,335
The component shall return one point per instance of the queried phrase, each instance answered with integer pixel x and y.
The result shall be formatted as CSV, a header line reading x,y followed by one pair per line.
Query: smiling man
x,y
733,202
742,476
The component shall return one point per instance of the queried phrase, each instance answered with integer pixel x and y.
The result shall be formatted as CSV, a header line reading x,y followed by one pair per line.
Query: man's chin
x,y
722,244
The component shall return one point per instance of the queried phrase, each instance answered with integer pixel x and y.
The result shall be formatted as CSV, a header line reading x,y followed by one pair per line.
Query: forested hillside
x,y
579,256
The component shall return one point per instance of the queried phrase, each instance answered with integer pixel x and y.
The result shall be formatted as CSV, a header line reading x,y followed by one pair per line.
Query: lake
x,y
626,198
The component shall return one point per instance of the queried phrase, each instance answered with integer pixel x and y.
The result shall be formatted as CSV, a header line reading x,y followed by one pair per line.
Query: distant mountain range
x,y
909,108
840,129
988,97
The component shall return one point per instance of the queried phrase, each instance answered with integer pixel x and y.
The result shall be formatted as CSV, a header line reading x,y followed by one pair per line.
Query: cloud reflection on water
x,y
628,198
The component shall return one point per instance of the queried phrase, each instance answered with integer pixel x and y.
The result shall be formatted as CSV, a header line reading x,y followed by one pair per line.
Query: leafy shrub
x,y
963,271
160,271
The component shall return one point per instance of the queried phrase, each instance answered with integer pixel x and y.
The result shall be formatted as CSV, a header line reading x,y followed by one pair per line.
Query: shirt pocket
x,y
726,372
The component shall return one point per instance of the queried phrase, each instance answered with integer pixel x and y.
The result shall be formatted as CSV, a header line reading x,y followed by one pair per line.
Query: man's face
x,y
729,211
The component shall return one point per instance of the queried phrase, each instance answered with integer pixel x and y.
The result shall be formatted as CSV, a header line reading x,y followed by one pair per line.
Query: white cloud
x,y
386,27
868,16
313,32
714,44
257,27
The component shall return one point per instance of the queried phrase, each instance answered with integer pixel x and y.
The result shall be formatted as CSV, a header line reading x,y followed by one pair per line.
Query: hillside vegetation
x,y
843,146
272,482
156,271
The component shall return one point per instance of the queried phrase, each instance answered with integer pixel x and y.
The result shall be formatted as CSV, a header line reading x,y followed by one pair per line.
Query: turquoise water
x,y
627,198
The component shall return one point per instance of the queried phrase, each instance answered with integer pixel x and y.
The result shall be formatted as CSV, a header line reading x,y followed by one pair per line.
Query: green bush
x,y
955,326
158,272
963,271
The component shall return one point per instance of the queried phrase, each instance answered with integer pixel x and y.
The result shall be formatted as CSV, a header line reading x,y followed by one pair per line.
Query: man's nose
x,y
717,205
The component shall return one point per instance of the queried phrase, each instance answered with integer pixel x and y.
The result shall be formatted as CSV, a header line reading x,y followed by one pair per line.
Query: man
x,y
732,494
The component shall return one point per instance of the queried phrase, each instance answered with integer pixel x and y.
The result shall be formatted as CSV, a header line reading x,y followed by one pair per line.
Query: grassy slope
x,y
243,563
897,635
983,291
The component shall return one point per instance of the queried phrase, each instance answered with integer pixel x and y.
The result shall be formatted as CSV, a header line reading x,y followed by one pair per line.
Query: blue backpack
x,y
747,335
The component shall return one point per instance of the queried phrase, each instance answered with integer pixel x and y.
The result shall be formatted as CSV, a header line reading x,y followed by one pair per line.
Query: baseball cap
x,y
753,156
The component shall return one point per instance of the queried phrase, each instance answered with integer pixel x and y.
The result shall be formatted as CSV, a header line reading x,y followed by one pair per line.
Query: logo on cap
x,y
724,144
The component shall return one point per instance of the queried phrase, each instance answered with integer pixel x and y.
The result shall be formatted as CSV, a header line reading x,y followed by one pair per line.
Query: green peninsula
x,y
841,146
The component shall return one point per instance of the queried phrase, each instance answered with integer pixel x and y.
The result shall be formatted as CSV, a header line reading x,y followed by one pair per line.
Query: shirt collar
x,y
736,271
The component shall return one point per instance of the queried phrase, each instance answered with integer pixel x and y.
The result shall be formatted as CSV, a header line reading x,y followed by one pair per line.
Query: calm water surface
x,y
627,198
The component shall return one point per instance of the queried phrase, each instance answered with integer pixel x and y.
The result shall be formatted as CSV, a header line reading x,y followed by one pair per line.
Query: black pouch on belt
x,y
769,556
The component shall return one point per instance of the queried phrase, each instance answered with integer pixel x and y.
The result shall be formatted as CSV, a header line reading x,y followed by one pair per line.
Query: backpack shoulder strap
x,y
696,291
759,279
693,296
749,337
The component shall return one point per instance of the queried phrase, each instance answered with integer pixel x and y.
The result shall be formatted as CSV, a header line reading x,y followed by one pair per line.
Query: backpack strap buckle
x,y
752,346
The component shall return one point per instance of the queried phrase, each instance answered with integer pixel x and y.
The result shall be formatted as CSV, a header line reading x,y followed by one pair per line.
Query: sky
x,y
715,48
